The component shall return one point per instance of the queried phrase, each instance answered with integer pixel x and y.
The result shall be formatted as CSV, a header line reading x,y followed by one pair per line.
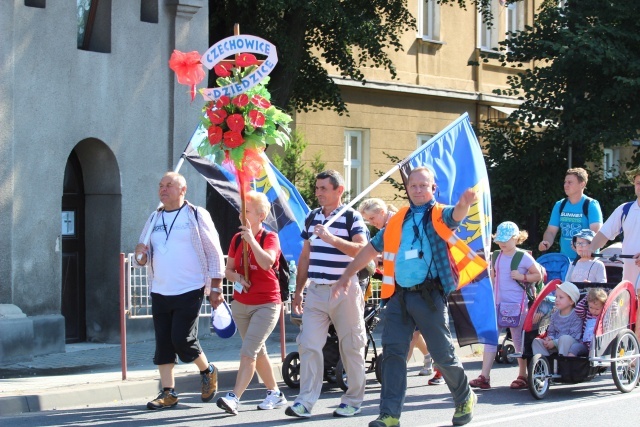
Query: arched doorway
x,y
91,243
73,252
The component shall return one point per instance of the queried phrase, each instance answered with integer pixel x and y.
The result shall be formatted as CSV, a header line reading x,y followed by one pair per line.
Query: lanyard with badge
x,y
417,236
163,247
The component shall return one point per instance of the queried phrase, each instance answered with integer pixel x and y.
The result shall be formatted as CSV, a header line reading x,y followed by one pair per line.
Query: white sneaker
x,y
229,404
427,368
274,399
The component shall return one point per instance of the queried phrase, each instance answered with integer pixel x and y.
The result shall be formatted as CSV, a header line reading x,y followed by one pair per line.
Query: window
x,y
35,3
515,17
610,163
149,11
94,25
488,36
429,19
355,162
423,138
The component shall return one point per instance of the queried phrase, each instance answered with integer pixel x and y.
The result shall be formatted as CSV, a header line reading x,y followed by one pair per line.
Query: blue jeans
x,y
396,337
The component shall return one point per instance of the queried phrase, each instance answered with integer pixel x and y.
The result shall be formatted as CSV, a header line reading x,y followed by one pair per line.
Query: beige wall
x,y
434,86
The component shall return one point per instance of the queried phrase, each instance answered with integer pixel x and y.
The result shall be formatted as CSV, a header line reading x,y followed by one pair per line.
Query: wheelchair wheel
x,y
341,376
625,372
291,370
379,367
498,357
539,376
508,351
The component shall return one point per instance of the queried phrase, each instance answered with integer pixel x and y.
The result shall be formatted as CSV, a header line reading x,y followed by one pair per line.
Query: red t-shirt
x,y
264,283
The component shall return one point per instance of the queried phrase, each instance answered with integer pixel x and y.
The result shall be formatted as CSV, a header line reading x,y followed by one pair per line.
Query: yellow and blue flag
x,y
288,208
455,157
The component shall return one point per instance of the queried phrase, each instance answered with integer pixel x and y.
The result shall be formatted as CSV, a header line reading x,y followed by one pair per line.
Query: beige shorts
x,y
255,323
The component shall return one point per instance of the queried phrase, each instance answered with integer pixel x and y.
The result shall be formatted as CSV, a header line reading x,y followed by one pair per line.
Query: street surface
x,y
597,403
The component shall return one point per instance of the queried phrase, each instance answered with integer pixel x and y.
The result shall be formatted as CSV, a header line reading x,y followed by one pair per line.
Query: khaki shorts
x,y
255,323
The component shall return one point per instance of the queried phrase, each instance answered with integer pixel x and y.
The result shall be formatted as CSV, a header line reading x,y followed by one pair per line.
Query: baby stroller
x,y
334,372
614,343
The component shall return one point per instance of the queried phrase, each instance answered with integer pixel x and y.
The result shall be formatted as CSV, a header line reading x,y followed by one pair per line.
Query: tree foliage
x,y
301,174
347,35
580,96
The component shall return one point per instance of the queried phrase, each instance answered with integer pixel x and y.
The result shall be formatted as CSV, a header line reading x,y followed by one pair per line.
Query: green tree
x,y
580,96
346,35
300,174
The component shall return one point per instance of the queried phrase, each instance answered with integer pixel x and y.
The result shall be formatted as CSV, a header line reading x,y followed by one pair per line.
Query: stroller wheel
x,y
291,370
341,376
508,351
379,367
498,357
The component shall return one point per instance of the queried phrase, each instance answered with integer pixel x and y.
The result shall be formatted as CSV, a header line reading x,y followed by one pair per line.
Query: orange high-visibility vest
x,y
465,263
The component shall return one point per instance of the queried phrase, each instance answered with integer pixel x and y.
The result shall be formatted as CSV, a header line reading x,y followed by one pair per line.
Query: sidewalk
x,y
89,373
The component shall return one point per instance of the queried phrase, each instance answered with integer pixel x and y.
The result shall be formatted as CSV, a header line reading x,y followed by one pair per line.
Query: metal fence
x,y
138,299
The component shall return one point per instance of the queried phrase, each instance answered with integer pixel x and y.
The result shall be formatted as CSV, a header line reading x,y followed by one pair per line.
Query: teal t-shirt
x,y
572,220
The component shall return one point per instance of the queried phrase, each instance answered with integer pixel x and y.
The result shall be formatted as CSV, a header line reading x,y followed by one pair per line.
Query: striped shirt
x,y
326,263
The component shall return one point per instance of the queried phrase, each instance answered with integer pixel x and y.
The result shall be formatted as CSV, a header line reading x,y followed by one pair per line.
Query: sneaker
x,y
274,399
297,410
385,420
427,368
464,411
437,379
481,382
166,399
209,382
229,404
345,410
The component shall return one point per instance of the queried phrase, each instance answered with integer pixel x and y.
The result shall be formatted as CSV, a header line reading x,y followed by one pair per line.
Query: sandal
x,y
520,383
481,382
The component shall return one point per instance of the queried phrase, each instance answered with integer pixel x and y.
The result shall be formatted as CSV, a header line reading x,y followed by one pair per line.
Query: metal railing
x,y
138,299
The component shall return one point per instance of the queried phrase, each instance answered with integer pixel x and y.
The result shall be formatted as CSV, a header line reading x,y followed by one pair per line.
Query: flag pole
x,y
361,195
147,236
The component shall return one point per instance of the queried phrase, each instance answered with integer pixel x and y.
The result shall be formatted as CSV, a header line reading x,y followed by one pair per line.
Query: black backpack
x,y
282,272
364,276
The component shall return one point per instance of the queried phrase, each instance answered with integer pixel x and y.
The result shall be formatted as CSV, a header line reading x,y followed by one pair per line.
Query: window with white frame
x,y
354,162
515,17
488,36
611,158
423,138
429,19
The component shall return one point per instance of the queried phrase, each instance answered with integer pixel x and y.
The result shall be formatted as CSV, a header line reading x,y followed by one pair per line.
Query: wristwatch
x,y
218,290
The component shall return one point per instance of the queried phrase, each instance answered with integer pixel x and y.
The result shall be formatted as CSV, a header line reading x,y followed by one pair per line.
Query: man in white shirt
x,y
186,264
625,219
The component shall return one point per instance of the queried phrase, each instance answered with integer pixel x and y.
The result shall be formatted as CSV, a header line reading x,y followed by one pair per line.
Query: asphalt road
x,y
595,403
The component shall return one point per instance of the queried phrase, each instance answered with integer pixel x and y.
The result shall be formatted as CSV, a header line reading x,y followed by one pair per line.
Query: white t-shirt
x,y
631,243
176,268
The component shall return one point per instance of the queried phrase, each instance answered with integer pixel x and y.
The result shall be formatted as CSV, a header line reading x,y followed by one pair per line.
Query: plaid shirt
x,y
439,249
206,243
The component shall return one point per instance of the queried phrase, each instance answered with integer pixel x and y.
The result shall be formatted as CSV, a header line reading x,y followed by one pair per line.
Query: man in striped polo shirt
x,y
322,262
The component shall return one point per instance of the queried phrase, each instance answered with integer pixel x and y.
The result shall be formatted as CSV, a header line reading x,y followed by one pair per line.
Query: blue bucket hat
x,y
222,322
506,231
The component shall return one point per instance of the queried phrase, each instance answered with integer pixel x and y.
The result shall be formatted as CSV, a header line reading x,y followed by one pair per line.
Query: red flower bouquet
x,y
238,128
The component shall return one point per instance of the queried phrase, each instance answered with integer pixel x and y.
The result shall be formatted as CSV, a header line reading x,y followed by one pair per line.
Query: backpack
x,y
364,275
585,206
515,262
282,272
625,212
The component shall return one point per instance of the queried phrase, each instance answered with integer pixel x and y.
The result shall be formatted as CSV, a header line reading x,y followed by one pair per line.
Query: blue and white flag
x,y
288,209
455,157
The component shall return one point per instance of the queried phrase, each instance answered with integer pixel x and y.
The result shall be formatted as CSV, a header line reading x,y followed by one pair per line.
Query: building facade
x,y
435,84
91,118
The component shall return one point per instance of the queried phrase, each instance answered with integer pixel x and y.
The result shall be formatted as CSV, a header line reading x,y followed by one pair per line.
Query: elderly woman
x,y
256,305
377,213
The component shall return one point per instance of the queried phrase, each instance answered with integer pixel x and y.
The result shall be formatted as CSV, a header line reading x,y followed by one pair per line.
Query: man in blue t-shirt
x,y
568,214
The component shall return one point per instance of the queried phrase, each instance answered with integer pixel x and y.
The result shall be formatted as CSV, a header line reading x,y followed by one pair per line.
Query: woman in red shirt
x,y
256,302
